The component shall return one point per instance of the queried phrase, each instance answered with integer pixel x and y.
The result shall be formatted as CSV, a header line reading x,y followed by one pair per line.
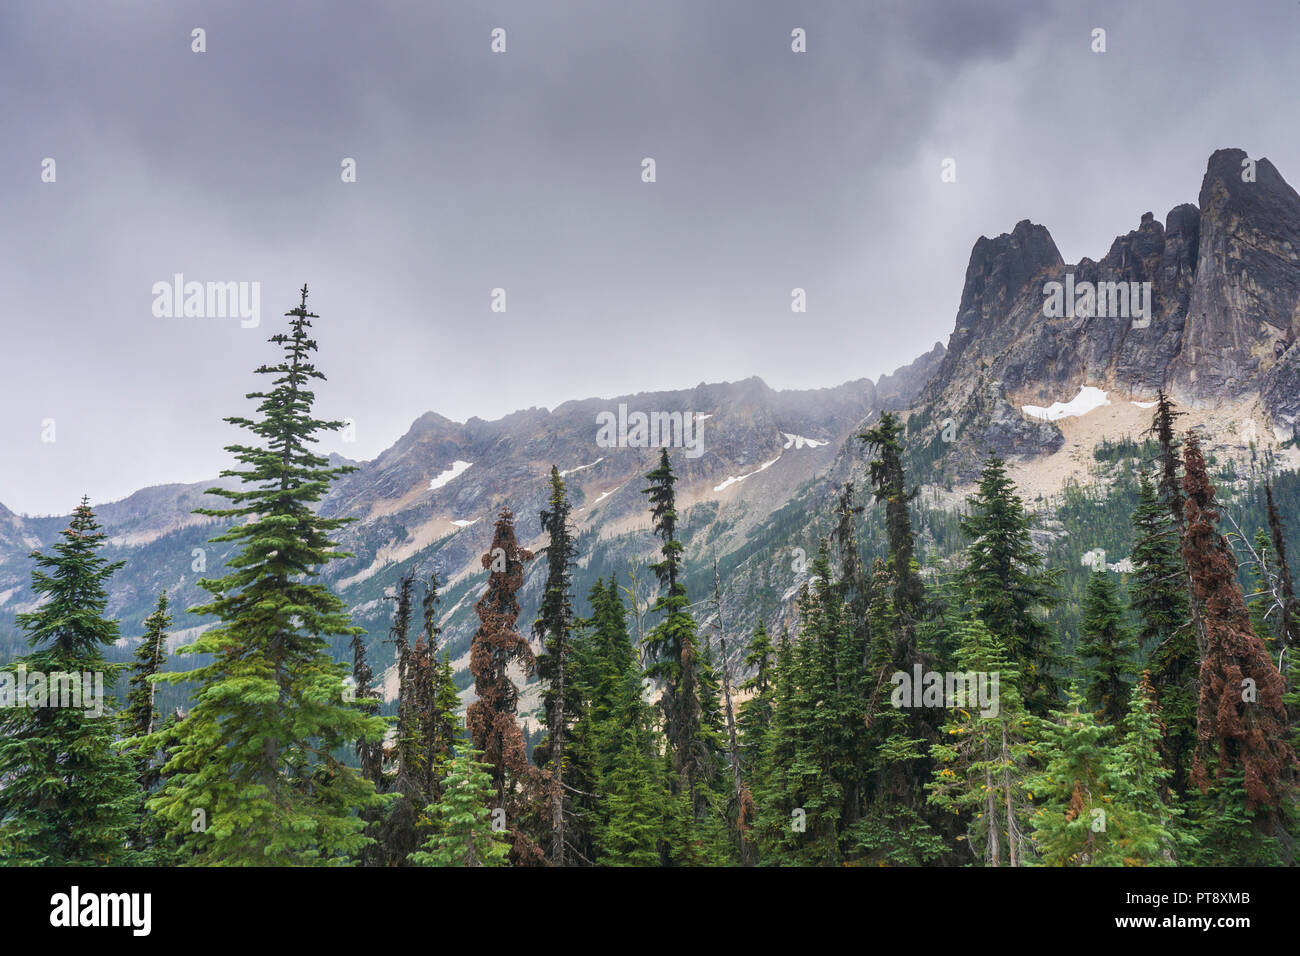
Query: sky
x,y
522,170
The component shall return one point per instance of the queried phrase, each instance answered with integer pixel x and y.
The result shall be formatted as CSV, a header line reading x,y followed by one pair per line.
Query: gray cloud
x,y
522,171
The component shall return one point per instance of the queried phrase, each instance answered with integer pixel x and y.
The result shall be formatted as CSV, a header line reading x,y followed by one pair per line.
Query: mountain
x,y
429,502
1046,388
1221,335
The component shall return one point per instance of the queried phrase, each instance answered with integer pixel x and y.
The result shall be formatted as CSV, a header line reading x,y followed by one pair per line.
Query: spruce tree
x,y
1145,824
1241,720
141,719
68,796
673,649
1106,645
491,721
553,627
1159,598
254,776
1073,789
981,761
462,829
1008,585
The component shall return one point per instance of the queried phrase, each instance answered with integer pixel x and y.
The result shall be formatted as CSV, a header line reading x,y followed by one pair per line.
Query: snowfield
x,y
798,441
732,479
457,469
1088,399
572,471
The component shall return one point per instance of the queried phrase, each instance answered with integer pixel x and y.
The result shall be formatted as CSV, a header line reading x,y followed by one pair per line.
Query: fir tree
x,y
980,765
553,628
141,719
256,757
1107,646
1159,598
1008,585
67,795
886,471
1145,824
1073,788
1241,721
491,719
673,650
463,832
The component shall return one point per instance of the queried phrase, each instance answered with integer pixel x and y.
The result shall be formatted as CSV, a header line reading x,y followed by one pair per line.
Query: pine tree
x,y
140,719
67,796
981,763
1073,788
463,833
1107,645
553,627
1144,823
887,477
634,795
1008,585
755,713
1241,721
491,721
253,775
673,650
1158,596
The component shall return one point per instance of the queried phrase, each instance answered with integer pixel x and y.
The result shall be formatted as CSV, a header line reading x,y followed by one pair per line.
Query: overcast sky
x,y
523,170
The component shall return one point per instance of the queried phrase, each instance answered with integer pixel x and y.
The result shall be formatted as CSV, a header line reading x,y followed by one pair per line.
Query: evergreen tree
x,y
885,440
634,794
67,795
1073,788
1107,647
140,719
673,650
553,628
1145,825
253,775
755,713
491,719
463,833
1159,598
1241,721
981,763
1008,585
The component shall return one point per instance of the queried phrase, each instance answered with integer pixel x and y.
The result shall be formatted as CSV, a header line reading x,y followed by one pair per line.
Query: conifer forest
x,y
441,561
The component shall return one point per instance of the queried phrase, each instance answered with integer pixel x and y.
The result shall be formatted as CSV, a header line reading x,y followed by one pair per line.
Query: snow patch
x,y
462,523
457,469
1088,399
581,468
798,441
732,479
1145,404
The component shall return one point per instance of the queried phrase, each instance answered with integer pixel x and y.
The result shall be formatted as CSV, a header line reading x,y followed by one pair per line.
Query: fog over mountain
x,y
522,171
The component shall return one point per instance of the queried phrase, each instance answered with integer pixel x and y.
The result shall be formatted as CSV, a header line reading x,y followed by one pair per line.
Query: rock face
x,y
1224,283
1243,315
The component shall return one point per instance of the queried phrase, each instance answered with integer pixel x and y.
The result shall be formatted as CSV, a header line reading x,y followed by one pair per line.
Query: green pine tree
x,y
1009,586
255,775
69,795
1106,644
462,832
